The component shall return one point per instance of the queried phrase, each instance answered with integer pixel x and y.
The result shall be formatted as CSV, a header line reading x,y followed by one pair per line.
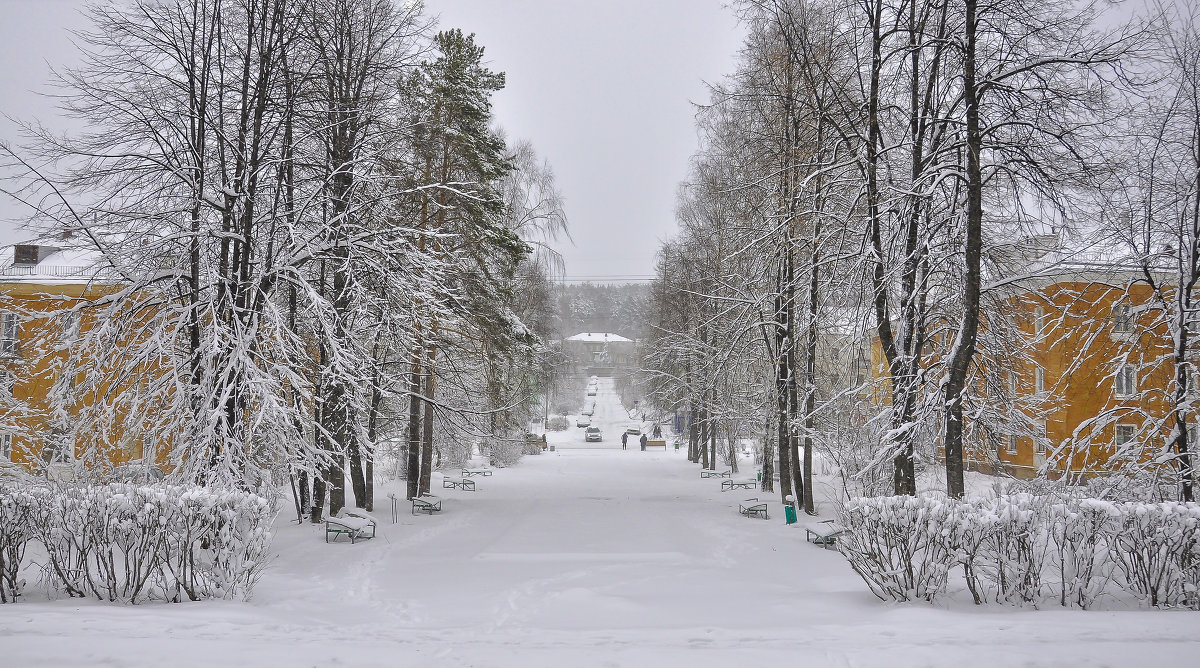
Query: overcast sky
x,y
603,89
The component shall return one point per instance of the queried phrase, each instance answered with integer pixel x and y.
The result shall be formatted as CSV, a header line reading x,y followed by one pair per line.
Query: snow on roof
x,y
599,337
54,264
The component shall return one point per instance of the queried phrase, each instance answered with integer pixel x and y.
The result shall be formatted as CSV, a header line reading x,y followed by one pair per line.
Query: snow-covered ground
x,y
588,556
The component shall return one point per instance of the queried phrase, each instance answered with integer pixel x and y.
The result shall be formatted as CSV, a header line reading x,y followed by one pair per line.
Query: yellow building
x,y
1095,379
1086,372
44,292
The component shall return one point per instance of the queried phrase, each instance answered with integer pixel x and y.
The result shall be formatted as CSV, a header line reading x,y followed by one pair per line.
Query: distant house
x,y
599,353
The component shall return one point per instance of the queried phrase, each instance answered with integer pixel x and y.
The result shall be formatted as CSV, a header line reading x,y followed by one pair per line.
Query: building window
x,y
6,446
1013,383
6,384
1125,384
1010,444
24,254
10,327
1039,320
1122,319
1122,434
56,453
1039,380
1043,436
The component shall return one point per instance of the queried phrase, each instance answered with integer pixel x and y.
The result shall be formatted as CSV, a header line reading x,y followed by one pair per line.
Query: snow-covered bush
x,y
1082,531
131,543
1158,552
16,507
219,543
558,423
1022,548
895,545
1014,544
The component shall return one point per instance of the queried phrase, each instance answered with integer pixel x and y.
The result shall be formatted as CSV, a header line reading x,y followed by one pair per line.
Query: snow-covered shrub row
x,y
558,423
1024,548
132,543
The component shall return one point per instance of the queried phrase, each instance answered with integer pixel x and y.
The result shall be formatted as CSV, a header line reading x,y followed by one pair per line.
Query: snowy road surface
x,y
590,556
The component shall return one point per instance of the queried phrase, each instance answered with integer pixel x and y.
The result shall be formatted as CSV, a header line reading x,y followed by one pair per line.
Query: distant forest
x,y
591,307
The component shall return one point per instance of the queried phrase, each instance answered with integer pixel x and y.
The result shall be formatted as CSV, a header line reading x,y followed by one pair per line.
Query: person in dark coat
x,y
643,442
624,440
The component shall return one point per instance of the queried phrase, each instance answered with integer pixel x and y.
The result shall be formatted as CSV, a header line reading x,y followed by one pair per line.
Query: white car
x,y
583,421
593,434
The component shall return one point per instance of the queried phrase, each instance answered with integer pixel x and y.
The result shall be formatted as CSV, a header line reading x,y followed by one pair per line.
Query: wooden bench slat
x,y
426,503
825,536
754,508
350,524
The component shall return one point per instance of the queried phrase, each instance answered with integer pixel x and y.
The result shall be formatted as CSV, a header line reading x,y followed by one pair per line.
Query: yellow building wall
x,y
1078,352
37,366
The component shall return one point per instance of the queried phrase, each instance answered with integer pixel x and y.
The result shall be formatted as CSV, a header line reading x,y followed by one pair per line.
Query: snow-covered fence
x,y
133,543
1024,548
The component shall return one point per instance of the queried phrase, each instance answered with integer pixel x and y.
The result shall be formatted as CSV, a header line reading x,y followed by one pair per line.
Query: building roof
x,y
599,337
53,264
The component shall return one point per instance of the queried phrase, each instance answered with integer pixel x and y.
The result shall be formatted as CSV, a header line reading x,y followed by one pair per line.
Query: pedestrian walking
x,y
643,442
624,440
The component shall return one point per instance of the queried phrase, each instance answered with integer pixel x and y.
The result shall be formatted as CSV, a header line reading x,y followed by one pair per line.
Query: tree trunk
x,y
427,422
768,460
964,348
303,492
693,435
318,500
712,435
414,425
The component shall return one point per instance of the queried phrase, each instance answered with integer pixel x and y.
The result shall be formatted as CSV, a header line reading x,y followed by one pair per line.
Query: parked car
x,y
591,392
593,434
583,421
590,411
634,431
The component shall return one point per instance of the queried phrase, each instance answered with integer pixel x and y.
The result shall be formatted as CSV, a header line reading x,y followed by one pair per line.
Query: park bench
x,y
349,524
656,443
754,508
746,483
459,483
485,472
824,533
426,503
706,473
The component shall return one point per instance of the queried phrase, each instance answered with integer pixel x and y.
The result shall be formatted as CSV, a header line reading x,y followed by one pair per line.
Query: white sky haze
x,y
603,90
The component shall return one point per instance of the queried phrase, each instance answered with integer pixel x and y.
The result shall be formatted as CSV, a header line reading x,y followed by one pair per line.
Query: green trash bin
x,y
789,514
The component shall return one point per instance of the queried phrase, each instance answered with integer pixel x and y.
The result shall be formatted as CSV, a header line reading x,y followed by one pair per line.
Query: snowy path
x,y
590,556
